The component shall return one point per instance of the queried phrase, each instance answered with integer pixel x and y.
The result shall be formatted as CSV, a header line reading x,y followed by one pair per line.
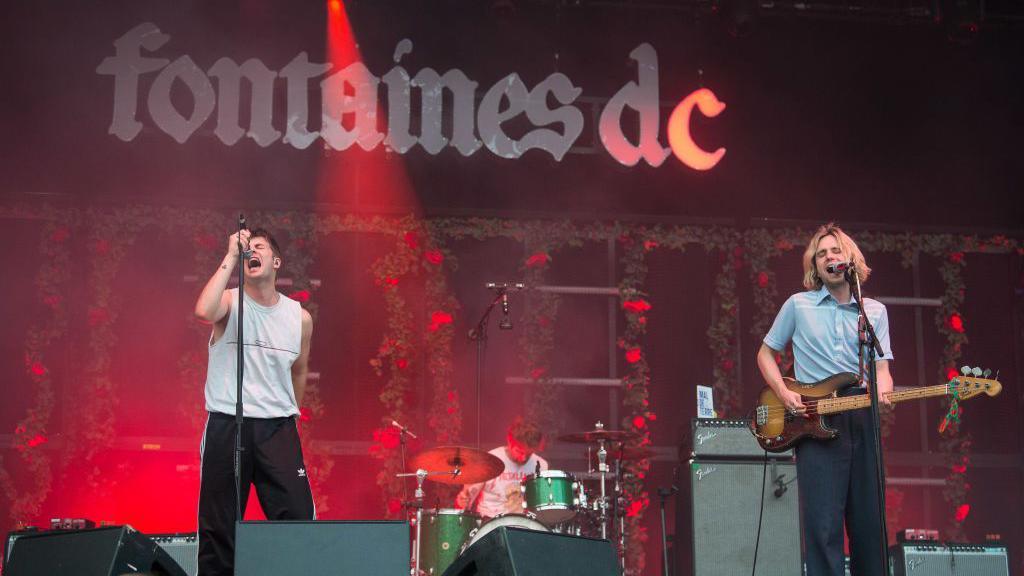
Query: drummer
x,y
501,494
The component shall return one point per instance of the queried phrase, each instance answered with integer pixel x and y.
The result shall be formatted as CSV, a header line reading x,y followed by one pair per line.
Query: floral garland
x,y
31,432
636,399
108,237
111,232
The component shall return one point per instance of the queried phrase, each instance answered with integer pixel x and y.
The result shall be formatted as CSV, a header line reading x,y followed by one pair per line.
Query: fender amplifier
x,y
182,547
949,560
718,438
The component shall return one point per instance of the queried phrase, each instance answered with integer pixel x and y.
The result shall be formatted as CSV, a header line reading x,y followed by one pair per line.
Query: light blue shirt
x,y
824,333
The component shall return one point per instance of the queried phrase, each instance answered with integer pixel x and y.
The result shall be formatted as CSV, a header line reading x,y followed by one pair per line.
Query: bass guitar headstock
x,y
974,381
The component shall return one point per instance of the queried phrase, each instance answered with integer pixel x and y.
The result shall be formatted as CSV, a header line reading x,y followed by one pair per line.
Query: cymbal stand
x,y
620,513
602,468
420,475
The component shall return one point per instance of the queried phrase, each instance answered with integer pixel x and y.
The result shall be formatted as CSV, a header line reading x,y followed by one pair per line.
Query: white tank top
x,y
273,340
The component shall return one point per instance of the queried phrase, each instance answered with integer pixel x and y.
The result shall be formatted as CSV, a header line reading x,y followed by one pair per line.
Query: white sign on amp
x,y
352,92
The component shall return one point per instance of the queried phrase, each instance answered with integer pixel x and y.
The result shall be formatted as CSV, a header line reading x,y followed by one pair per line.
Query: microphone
x,y
506,320
839,267
242,226
403,429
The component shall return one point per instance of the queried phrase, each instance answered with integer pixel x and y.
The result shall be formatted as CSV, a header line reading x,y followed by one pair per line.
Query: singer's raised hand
x,y
233,241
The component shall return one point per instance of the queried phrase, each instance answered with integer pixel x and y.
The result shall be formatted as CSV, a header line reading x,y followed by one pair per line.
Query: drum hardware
x,y
447,465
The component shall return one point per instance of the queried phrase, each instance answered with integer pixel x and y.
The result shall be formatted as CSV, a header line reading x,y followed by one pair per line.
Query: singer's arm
x,y
214,303
301,366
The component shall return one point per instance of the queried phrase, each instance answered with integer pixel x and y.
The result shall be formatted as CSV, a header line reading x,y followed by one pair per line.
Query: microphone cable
x,y
760,513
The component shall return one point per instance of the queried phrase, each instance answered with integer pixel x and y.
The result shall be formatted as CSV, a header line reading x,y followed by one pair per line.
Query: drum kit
x,y
553,500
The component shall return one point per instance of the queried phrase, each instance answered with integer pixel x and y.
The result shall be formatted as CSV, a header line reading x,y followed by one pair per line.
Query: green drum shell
x,y
441,537
551,496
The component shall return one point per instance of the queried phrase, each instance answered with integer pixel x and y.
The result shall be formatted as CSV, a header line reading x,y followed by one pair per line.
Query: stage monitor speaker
x,y
721,518
182,547
949,560
380,548
510,551
98,552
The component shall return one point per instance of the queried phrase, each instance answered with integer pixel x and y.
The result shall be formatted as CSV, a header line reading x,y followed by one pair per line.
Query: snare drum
x,y
551,495
442,535
527,521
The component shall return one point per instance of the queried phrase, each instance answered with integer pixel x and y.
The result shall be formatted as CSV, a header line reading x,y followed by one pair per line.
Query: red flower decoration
x,y
538,260
438,319
52,300
639,422
101,246
951,373
538,373
305,414
956,323
728,364
635,508
762,279
636,306
633,355
411,240
962,511
60,234
956,257
389,281
38,369
300,296
650,245
642,320
386,437
434,256
36,440
959,468
402,363
98,315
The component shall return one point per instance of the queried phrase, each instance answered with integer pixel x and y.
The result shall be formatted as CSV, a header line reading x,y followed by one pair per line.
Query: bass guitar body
x,y
778,430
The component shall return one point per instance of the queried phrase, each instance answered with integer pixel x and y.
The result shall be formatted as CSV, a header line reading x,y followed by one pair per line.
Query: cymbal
x,y
598,434
474,465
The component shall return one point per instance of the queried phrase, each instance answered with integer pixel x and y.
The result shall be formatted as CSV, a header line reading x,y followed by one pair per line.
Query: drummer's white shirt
x,y
501,494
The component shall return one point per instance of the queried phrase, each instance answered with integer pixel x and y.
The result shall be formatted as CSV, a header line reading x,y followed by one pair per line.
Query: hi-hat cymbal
x,y
598,434
473,465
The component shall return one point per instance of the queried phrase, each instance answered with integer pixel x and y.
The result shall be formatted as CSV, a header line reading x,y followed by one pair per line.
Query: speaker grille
x,y
952,560
725,502
183,548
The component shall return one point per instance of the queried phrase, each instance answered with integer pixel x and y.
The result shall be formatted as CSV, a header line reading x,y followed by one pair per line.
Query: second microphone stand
x,y
479,335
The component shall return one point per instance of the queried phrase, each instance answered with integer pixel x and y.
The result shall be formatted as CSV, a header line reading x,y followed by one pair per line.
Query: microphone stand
x,y
869,344
663,494
240,370
479,335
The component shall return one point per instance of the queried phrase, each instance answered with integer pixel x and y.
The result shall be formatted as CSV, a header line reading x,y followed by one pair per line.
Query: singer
x,y
277,336
837,477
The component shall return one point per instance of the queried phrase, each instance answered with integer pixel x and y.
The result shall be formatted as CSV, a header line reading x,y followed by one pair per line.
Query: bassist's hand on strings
x,y
793,402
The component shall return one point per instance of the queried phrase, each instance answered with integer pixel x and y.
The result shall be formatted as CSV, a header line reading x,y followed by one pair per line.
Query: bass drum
x,y
528,521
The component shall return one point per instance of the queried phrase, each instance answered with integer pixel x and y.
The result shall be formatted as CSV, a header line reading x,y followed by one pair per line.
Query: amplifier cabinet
x,y
949,560
719,438
182,547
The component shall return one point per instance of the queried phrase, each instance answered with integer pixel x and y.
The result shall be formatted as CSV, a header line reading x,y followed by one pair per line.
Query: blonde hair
x,y
849,248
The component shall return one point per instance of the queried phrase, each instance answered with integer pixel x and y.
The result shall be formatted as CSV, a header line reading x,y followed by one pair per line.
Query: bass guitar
x,y
777,429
